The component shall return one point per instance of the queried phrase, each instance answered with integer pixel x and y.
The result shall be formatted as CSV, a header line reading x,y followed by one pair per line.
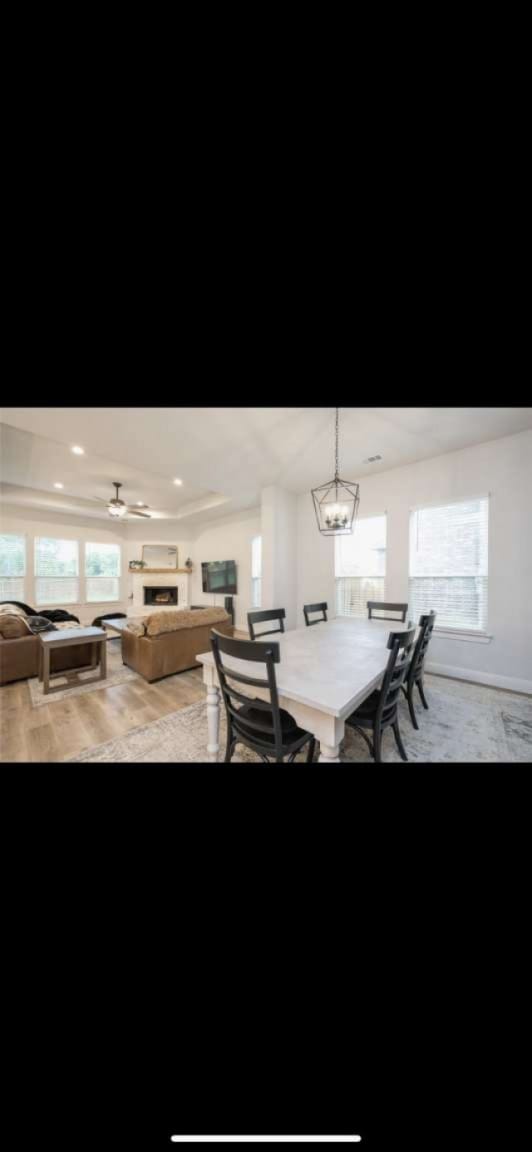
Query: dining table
x,y
325,671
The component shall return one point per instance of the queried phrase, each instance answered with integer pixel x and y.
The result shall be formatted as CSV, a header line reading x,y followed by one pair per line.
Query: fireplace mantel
x,y
150,577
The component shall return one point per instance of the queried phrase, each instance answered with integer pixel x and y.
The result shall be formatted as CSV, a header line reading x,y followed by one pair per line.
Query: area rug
x,y
117,673
465,722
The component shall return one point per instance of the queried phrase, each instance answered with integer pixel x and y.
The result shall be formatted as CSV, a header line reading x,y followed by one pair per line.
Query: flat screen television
x,y
219,576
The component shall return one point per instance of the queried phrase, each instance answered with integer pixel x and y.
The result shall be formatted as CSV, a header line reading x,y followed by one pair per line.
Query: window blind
x,y
360,566
12,567
449,564
256,571
56,571
102,573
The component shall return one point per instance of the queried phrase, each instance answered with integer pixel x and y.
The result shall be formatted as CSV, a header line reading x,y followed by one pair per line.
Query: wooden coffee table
x,y
116,624
67,639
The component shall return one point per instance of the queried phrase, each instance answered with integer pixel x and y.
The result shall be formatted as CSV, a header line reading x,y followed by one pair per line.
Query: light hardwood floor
x,y
62,729
66,727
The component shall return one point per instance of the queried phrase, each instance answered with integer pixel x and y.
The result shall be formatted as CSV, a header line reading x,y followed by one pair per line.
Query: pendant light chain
x,y
336,456
336,472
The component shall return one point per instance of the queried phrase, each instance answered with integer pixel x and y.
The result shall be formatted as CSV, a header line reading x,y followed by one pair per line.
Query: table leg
x,y
329,753
103,658
46,669
213,721
39,663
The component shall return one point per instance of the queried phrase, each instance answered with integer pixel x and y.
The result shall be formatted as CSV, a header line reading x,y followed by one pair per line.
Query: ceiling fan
x,y
117,507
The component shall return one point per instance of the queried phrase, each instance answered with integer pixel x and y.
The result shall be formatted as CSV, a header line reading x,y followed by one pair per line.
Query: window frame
x,y
86,577
38,576
371,516
448,631
19,536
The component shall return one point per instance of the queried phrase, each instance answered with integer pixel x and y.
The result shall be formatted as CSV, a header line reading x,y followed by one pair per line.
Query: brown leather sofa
x,y
19,658
169,642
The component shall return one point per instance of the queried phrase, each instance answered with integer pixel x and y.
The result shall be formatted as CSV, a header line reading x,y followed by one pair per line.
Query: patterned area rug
x,y
117,673
465,722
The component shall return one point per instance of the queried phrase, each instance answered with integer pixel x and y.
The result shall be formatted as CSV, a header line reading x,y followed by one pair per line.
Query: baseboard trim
x,y
509,683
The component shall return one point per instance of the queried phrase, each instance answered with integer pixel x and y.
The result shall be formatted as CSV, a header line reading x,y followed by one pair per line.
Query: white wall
x,y
139,532
32,522
279,551
300,558
504,469
226,539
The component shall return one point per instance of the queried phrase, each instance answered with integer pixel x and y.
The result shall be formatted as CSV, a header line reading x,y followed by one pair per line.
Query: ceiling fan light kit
x,y
118,508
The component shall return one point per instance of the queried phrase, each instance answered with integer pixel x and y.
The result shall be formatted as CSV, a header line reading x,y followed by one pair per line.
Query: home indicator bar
x,y
265,1139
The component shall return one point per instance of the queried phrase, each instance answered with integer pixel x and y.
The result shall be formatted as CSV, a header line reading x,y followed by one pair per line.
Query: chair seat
x,y
367,708
289,727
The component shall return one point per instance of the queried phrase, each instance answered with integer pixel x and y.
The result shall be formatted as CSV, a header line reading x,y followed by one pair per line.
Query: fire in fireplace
x,y
160,596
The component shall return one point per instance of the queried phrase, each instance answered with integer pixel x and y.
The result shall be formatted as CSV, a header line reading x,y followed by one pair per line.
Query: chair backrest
x,y
311,608
400,645
426,625
377,610
269,614
268,654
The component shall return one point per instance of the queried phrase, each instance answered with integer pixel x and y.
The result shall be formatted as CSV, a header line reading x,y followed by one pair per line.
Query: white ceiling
x,y
223,455
31,464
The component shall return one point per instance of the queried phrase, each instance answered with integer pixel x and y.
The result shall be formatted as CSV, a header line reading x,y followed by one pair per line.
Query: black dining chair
x,y
379,711
261,725
269,614
415,672
377,607
310,609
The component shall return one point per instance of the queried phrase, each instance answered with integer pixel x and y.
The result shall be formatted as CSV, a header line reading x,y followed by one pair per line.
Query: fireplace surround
x,y
157,597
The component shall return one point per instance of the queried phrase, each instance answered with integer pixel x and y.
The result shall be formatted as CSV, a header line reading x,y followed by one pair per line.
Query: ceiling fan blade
x,y
135,512
100,498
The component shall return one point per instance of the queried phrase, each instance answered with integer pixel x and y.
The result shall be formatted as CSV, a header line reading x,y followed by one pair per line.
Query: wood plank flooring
x,y
66,727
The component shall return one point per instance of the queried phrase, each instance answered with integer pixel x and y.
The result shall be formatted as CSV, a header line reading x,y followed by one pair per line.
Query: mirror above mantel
x,y
159,557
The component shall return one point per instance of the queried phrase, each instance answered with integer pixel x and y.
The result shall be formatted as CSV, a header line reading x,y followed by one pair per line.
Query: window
x,y
102,573
12,567
449,564
56,571
360,566
256,571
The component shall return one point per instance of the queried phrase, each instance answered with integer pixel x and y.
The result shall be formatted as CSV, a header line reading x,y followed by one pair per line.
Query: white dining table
x,y
325,672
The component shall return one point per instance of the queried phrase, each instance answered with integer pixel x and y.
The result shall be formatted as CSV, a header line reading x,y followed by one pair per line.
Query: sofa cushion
x,y
7,609
13,625
160,622
136,627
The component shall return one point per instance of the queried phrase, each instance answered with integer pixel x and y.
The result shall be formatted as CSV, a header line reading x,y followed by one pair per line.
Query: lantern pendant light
x,y
336,503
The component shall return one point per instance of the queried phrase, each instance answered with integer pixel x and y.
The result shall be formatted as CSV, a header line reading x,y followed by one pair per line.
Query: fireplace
x,y
160,597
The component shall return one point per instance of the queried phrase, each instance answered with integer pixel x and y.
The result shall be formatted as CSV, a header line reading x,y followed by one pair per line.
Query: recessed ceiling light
x,y
77,450
59,485
140,504
176,481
